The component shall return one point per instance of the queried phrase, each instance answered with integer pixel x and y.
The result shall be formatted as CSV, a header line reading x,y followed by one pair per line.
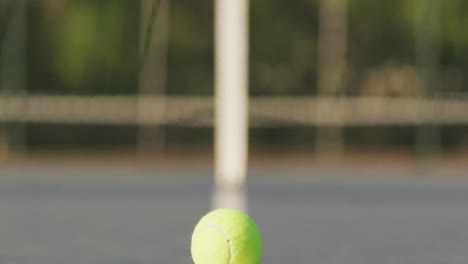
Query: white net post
x,y
231,100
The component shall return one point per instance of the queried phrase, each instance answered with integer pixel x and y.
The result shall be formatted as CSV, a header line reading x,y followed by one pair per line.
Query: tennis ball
x,y
226,236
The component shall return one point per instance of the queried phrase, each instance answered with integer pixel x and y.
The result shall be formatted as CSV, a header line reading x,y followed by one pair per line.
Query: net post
x,y
231,93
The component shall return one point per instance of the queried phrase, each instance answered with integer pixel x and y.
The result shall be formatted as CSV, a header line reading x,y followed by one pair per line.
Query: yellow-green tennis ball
x,y
226,236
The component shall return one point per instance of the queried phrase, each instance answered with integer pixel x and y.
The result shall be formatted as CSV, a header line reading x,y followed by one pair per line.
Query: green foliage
x,y
283,43
77,35
454,25
191,47
94,41
91,46
379,31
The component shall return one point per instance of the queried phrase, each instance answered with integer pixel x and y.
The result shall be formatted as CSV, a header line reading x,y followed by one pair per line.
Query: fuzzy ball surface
x,y
226,236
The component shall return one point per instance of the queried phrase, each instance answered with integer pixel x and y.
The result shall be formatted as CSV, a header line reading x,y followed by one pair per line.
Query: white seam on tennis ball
x,y
226,236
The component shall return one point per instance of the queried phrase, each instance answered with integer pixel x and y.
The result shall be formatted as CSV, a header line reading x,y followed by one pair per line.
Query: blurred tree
x,y
191,51
454,40
83,46
91,47
283,47
379,35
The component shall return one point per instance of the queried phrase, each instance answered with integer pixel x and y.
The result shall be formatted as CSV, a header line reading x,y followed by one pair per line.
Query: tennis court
x,y
102,215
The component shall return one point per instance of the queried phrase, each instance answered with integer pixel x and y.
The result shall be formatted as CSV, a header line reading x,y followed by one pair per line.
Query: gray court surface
x,y
124,216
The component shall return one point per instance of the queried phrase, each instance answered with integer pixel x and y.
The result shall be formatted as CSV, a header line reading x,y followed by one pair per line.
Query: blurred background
x,y
327,78
357,129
